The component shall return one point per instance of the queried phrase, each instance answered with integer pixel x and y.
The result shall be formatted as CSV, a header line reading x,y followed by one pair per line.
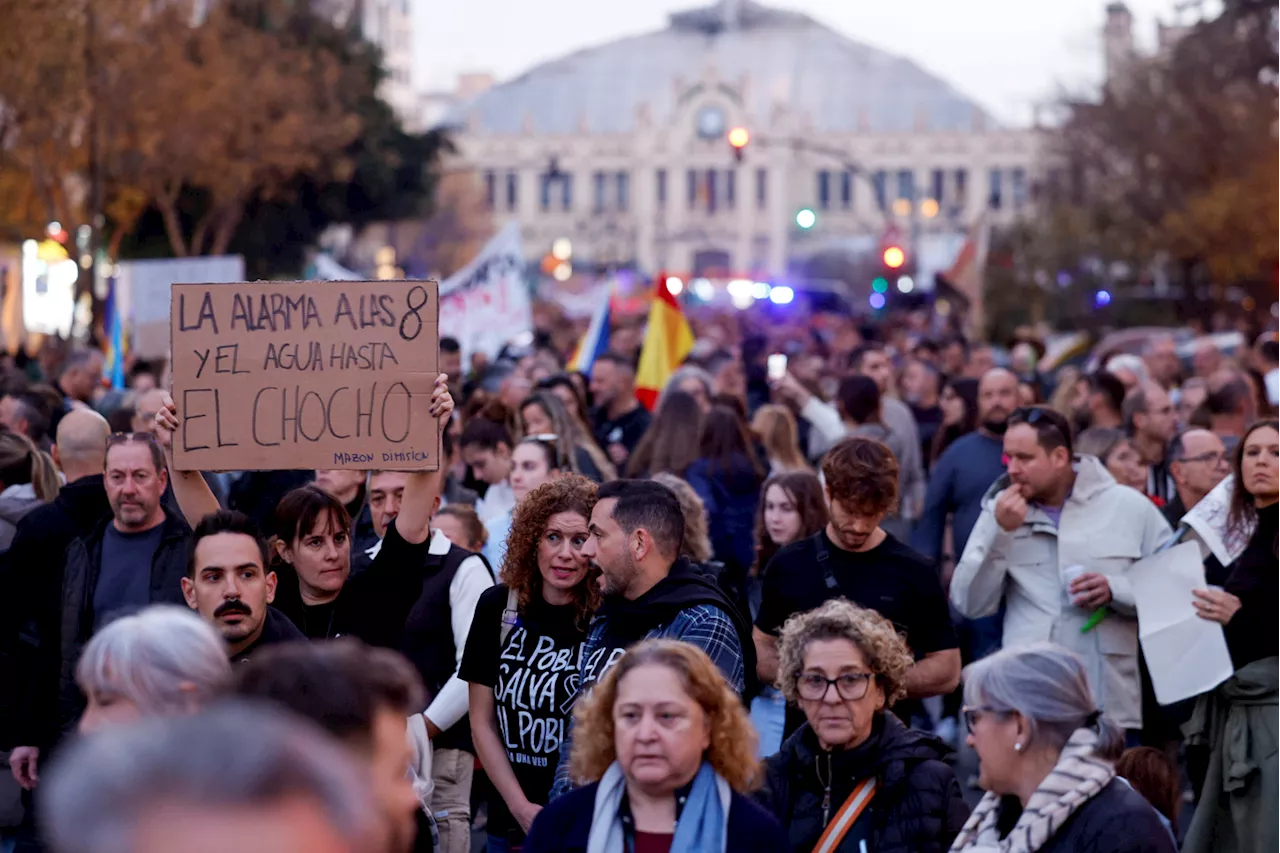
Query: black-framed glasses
x,y
972,715
850,686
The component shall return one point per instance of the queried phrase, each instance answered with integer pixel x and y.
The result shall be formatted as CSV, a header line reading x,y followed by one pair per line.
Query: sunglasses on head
x,y
126,437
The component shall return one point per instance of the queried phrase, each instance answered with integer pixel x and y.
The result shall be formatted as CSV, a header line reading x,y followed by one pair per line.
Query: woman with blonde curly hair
x,y
854,777
521,657
668,753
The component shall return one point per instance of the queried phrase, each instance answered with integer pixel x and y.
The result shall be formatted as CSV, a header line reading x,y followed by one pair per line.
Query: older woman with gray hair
x,y
854,778
159,662
1041,741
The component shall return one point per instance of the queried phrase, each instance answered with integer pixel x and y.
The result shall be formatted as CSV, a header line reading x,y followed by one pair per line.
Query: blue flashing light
x,y
876,300
1102,298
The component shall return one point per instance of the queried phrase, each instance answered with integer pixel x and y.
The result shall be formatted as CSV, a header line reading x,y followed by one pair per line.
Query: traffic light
x,y
738,139
806,218
893,256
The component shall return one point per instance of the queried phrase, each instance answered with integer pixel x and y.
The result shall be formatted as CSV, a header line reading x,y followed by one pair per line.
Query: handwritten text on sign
x,y
310,374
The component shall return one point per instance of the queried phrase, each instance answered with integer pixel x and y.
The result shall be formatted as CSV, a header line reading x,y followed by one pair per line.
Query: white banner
x,y
486,303
142,294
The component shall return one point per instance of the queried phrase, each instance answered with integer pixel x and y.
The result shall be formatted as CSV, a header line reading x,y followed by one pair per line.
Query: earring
x,y
1017,747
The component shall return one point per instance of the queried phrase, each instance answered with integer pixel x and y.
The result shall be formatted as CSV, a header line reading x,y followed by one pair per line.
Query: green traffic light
x,y
806,218
880,285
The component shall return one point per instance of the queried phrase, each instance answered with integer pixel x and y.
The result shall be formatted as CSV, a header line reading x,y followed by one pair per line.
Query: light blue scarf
x,y
703,824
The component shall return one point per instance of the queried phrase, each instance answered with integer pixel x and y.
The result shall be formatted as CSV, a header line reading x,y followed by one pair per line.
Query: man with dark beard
x,y
963,473
650,591
229,585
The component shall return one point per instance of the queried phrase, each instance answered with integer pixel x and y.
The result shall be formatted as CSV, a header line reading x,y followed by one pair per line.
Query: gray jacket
x,y
1105,527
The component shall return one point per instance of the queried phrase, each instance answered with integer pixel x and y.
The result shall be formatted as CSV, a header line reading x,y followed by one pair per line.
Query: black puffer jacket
x,y
917,806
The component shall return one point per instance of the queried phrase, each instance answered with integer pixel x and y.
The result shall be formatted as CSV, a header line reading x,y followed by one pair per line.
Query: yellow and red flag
x,y
667,341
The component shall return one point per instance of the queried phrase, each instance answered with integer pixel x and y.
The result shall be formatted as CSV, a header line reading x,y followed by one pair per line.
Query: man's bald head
x,y
81,446
997,398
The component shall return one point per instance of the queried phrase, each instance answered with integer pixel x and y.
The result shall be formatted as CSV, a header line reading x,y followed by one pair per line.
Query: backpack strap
x,y
824,560
847,816
510,618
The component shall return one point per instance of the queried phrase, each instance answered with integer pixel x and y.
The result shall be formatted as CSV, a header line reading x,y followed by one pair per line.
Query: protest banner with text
x,y
307,374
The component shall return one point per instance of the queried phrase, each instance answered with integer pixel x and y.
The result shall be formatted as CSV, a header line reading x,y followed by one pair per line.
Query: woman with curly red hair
x,y
521,658
669,754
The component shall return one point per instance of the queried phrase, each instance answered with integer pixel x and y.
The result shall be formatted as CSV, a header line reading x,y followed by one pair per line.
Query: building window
x,y
762,188
693,189
513,190
824,190
711,190
622,185
846,189
730,188
1018,188
938,185
907,185
566,191
879,181
660,189
598,203
994,199
547,182
962,187
490,190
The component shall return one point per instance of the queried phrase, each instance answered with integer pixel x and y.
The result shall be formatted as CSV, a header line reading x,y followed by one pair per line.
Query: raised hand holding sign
x,y
326,374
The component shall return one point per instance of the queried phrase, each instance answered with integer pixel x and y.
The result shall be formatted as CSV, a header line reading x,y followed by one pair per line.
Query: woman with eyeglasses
x,y
543,413
1041,742
1236,722
521,655
535,461
854,778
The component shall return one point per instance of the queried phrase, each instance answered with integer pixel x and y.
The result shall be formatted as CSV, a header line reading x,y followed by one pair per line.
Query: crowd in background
x,y
763,616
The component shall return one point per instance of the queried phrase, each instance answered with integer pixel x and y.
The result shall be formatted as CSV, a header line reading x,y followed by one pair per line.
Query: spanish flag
x,y
667,341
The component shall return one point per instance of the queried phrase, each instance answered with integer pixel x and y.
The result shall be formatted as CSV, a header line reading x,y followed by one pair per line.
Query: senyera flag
x,y
667,341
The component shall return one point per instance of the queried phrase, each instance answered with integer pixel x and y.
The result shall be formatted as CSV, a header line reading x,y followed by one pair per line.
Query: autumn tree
x,y
1168,176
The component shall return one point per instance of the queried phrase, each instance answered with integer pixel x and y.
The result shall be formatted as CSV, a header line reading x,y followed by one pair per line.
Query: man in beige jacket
x,y
1054,543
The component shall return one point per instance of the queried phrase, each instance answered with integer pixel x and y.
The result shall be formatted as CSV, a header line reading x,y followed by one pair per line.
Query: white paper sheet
x,y
1185,654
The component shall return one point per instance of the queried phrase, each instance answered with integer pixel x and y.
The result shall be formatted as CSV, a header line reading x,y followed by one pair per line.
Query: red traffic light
x,y
894,257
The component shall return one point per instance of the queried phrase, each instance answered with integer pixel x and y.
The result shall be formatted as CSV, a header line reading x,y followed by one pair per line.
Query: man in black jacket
x,y
229,585
134,557
30,574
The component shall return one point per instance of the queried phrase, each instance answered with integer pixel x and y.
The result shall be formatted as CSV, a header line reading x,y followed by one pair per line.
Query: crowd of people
x,y
773,614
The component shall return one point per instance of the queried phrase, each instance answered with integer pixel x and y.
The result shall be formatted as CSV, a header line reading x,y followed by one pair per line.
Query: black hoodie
x,y
917,807
276,628
627,622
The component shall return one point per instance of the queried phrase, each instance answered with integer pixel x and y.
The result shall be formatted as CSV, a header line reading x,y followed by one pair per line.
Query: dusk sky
x,y
1007,54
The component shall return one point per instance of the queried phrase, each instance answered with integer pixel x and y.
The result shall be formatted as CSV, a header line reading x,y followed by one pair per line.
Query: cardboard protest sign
x,y
306,374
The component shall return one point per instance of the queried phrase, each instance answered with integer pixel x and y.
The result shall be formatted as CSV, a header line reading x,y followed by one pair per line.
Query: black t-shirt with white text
x,y
891,579
534,677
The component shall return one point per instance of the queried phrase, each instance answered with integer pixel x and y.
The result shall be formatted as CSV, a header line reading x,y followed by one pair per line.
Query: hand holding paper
x,y
1185,653
1216,605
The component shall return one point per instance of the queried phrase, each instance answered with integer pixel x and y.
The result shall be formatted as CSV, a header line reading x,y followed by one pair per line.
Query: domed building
x,y
623,149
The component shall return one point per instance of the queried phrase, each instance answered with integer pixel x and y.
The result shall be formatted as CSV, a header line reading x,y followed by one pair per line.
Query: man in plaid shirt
x,y
637,529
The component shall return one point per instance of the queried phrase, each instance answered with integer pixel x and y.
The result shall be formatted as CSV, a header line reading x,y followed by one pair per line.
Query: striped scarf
x,y
1078,776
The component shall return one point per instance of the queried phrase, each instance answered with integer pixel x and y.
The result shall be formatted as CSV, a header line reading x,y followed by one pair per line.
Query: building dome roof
x,y
787,58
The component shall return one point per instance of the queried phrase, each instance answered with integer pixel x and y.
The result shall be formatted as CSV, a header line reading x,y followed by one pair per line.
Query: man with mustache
x,y
229,585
